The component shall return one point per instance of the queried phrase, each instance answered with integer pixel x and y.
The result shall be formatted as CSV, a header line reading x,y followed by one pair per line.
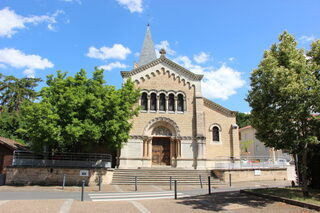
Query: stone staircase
x,y
152,176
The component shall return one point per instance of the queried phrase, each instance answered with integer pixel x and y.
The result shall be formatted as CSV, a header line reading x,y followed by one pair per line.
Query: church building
x,y
176,127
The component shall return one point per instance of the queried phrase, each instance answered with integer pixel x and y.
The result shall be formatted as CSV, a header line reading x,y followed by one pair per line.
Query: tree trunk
x,y
304,174
118,157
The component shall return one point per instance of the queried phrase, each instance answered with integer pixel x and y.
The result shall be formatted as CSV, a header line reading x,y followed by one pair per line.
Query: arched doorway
x,y
161,146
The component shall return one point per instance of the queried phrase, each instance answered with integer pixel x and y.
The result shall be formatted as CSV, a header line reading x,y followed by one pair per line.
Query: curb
x,y
285,200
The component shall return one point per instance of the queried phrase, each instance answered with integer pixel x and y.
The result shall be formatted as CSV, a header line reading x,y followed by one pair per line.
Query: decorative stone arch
x,y
211,129
161,122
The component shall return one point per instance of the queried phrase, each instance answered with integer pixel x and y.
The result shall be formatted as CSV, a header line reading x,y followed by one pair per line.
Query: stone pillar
x,y
149,147
184,104
167,104
158,103
148,102
235,144
144,147
178,145
175,103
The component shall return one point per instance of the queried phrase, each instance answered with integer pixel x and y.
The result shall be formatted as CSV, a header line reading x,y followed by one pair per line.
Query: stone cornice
x,y
163,59
215,106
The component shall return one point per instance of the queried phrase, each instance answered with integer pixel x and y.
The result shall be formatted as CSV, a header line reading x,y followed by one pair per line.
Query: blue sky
x,y
224,40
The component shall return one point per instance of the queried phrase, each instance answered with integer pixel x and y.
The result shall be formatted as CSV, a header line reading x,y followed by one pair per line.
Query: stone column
x,y
167,104
158,103
148,102
178,142
175,103
144,147
184,104
149,147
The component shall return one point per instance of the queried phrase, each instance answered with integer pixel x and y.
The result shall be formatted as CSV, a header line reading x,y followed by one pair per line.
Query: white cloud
x,y
11,22
201,57
217,83
117,51
113,65
132,5
17,59
231,59
2,66
306,39
165,45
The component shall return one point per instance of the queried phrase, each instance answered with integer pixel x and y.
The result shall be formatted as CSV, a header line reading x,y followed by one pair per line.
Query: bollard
x,y
230,180
209,185
175,189
64,181
82,190
99,183
200,181
170,183
135,184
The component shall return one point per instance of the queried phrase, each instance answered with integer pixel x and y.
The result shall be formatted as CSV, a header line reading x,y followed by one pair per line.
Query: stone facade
x,y
172,100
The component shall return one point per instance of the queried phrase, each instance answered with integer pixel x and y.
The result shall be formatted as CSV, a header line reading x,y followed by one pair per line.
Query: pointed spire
x,y
148,52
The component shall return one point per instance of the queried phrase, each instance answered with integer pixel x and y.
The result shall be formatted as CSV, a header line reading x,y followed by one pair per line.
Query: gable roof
x,y
190,75
11,144
215,106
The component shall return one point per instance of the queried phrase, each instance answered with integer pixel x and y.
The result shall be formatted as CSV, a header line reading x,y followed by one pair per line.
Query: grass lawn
x,y
292,193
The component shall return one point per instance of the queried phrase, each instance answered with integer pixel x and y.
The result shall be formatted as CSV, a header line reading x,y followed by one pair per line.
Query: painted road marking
x,y
131,193
65,208
140,207
132,196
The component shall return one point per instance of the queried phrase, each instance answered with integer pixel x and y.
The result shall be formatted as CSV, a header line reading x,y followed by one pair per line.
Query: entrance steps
x,y
159,176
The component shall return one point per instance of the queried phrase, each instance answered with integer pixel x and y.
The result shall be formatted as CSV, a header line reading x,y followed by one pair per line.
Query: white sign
x,y
257,172
84,172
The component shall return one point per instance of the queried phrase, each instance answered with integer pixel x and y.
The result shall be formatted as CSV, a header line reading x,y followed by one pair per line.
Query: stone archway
x,y
161,144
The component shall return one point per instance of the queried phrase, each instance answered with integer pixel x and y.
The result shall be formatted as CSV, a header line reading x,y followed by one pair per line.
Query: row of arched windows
x,y
163,102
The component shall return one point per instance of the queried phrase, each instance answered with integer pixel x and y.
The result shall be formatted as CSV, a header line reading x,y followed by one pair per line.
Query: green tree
x,y
284,94
243,119
78,112
14,91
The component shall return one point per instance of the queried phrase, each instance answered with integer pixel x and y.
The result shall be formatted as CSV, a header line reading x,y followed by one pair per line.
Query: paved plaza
x,y
148,198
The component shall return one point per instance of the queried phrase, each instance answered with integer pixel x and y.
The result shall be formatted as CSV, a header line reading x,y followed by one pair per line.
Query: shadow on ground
x,y
223,200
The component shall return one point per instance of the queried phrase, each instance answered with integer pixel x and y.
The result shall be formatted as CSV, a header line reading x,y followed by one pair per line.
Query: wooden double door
x,y
161,151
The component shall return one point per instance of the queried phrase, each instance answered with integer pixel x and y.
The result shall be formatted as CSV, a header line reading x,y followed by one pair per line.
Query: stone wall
x,y
54,176
238,175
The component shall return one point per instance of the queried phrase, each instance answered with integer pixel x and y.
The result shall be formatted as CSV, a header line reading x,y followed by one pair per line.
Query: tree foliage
x,y
243,119
285,92
76,112
14,91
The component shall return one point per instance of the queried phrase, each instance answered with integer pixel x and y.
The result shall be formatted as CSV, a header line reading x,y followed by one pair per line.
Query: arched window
x,y
144,101
215,134
180,104
153,102
162,104
171,103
